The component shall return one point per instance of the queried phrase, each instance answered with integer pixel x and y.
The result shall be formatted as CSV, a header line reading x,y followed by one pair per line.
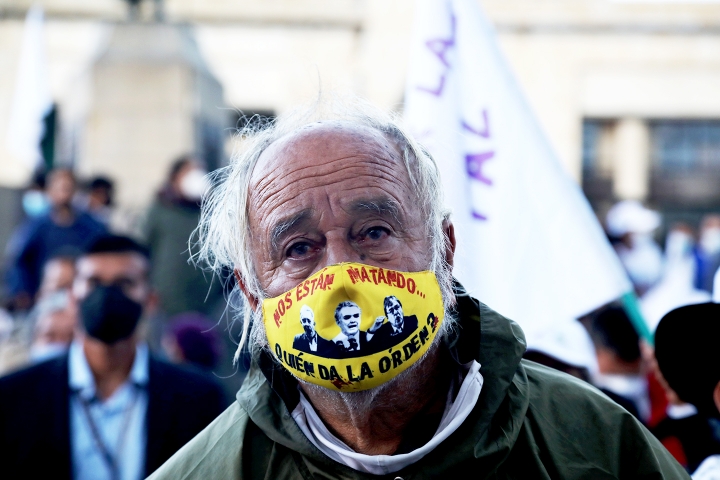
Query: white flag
x,y
529,244
32,100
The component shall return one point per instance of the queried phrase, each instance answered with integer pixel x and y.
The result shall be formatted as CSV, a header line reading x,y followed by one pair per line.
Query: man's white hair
x,y
223,239
306,312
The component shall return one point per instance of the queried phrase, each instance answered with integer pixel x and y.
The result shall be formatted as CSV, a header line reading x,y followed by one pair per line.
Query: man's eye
x,y
376,233
299,250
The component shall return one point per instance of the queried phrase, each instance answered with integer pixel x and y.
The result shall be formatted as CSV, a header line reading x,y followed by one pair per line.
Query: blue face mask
x,y
35,203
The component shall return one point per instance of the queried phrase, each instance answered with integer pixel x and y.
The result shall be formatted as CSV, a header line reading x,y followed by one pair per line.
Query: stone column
x,y
631,164
153,99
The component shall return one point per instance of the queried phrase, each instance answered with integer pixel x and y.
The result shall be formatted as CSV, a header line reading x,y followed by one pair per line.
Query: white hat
x,y
567,341
630,216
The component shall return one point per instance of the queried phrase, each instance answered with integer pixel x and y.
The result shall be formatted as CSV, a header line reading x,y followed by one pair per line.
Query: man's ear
x,y
716,396
252,300
450,244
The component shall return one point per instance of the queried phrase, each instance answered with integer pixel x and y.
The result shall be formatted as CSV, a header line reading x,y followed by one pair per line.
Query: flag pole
x,y
632,308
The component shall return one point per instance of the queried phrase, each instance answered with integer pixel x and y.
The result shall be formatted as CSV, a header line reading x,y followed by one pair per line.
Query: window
x,y
685,146
685,163
597,161
591,132
597,148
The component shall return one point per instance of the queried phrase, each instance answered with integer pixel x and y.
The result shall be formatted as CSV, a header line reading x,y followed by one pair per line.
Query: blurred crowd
x,y
673,283
112,352
63,215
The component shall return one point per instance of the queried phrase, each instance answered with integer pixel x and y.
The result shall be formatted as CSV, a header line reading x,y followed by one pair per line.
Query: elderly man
x,y
348,205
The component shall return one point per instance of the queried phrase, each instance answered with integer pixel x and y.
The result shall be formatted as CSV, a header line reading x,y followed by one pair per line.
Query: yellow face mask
x,y
353,327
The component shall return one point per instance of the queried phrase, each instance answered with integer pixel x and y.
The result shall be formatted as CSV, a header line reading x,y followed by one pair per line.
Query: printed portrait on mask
x,y
354,326
397,326
309,341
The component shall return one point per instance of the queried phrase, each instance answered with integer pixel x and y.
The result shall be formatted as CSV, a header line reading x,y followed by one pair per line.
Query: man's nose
x,y
339,250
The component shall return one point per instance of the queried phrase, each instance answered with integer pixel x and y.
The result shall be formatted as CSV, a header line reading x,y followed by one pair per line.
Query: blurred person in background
x,y
686,351
35,204
34,200
679,245
687,434
96,198
48,328
620,368
567,347
170,222
677,284
8,354
58,272
61,227
192,339
708,252
55,320
630,226
107,409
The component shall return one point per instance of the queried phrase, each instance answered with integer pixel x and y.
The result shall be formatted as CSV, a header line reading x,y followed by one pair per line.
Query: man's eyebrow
x,y
286,225
385,207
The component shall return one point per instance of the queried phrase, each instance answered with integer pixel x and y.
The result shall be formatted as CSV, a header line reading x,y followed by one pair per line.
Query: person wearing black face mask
x,y
108,409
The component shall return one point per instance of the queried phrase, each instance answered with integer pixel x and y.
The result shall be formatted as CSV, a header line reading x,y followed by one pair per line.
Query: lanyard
x,y
110,459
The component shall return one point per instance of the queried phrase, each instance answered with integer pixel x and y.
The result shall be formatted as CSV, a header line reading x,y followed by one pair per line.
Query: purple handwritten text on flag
x,y
478,216
440,47
474,164
437,91
483,131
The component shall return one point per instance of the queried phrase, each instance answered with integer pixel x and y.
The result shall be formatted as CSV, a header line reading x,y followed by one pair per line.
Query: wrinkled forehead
x,y
325,138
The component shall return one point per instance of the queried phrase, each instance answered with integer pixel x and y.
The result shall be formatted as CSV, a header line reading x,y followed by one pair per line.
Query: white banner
x,y
529,244
32,100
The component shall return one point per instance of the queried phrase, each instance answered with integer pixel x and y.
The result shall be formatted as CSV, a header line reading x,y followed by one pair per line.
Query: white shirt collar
x,y
81,377
456,411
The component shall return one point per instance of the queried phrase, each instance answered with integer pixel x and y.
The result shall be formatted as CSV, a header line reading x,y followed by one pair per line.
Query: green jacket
x,y
530,422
